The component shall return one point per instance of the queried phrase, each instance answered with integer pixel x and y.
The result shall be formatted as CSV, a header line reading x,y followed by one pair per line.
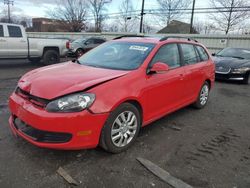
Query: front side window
x,y
1,31
202,53
14,31
90,41
117,55
168,54
189,54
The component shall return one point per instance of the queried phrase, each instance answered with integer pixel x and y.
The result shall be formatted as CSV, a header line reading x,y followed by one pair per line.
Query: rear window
x,y
189,53
1,31
14,31
202,53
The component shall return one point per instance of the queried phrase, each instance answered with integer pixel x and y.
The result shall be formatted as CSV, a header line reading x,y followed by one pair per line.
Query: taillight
x,y
67,44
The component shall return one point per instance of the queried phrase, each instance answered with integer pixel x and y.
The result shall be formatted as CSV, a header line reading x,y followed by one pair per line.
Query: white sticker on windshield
x,y
140,48
246,51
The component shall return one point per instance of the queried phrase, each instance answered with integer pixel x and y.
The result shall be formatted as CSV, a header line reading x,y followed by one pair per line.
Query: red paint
x,y
157,94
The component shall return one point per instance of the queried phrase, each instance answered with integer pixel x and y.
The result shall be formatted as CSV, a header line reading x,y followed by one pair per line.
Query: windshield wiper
x,y
76,61
238,57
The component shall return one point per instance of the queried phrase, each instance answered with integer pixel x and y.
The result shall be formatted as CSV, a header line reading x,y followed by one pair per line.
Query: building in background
x,y
176,26
48,25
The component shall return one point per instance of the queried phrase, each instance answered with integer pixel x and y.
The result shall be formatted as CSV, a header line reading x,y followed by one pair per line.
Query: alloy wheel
x,y
124,129
204,94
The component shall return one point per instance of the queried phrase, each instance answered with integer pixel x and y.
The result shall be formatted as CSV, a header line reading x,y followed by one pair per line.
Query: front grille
x,y
33,99
39,135
223,69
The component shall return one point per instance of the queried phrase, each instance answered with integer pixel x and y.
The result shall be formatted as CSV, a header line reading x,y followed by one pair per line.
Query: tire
x,y
79,52
202,99
35,60
246,78
123,135
51,57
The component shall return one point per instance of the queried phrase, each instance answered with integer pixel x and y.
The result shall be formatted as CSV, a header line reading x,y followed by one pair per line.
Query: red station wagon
x,y
107,95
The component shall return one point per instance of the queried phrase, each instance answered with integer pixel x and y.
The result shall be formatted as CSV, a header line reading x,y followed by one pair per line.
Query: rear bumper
x,y
83,127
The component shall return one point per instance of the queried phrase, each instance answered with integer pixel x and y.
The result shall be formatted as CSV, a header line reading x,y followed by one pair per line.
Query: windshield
x,y
235,52
117,55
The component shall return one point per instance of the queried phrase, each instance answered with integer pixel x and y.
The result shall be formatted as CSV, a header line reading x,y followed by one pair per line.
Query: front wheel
x,y
202,99
121,128
79,52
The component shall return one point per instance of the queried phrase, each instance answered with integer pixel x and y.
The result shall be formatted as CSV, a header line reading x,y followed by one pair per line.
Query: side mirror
x,y
158,67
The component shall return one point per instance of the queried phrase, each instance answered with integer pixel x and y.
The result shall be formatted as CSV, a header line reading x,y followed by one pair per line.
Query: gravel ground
x,y
212,149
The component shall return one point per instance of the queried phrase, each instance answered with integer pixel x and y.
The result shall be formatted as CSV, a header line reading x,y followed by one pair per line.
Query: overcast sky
x,y
38,8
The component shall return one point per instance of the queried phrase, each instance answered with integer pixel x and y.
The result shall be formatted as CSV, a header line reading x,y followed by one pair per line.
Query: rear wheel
x,y
203,96
246,78
51,57
121,128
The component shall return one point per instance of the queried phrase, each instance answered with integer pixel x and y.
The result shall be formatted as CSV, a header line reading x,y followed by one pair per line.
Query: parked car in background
x,y
80,46
233,64
14,44
109,93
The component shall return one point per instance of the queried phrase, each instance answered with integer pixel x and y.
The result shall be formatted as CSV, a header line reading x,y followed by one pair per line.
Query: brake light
x,y
67,44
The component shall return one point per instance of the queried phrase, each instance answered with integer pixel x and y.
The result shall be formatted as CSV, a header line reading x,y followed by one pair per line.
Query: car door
x,y
194,71
164,91
3,43
89,44
17,43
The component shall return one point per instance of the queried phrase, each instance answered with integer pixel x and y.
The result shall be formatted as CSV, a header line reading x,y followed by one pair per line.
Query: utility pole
x,y
142,14
9,2
192,18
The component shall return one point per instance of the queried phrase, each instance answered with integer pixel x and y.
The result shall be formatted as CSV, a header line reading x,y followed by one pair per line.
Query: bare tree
x,y
71,13
126,18
171,9
97,8
204,27
230,16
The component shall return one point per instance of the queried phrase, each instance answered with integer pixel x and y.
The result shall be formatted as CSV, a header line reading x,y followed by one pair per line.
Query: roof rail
x,y
126,36
177,37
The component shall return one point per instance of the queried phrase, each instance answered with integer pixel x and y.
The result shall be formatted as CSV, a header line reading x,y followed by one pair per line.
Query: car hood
x,y
61,79
231,62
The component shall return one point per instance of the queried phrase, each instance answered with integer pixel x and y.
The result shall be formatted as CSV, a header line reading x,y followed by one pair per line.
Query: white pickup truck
x,y
14,44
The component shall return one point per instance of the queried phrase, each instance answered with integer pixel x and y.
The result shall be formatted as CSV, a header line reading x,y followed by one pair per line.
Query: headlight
x,y
240,70
71,103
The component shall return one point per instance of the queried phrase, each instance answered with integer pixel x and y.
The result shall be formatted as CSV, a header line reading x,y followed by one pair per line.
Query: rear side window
x,y
14,31
189,54
202,53
168,54
99,41
1,31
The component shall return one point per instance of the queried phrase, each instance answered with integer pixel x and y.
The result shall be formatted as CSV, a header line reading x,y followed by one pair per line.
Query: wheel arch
x,y
135,103
209,83
51,48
